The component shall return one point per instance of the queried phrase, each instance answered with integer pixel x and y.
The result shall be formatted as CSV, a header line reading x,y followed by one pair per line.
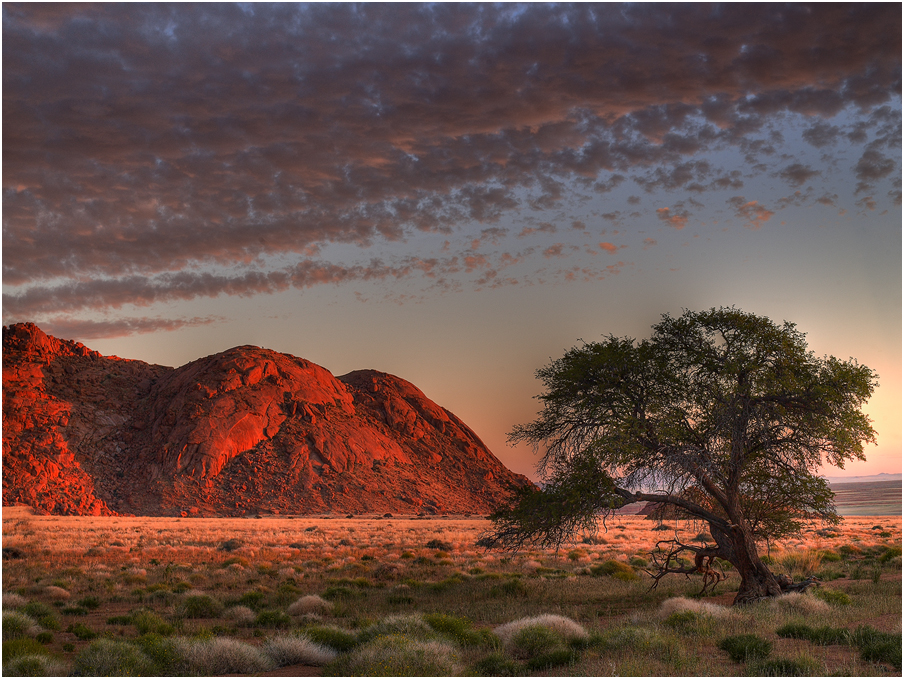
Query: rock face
x,y
245,431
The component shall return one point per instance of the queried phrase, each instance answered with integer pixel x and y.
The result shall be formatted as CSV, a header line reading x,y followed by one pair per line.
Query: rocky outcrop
x,y
245,431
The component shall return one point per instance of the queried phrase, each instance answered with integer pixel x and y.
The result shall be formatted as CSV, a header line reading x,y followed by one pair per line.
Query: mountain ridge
x,y
246,430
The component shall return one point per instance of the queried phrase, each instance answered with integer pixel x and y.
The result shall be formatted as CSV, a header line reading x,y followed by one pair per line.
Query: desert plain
x,y
277,595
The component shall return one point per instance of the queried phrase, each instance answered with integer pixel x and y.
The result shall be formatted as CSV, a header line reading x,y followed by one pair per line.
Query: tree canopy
x,y
723,415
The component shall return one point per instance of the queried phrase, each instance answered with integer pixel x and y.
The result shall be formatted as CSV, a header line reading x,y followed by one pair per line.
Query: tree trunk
x,y
739,548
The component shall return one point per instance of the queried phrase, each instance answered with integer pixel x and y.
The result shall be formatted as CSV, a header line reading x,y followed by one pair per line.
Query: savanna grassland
x,y
330,595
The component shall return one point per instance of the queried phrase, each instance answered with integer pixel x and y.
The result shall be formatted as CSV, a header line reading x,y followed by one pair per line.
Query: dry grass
x,y
346,583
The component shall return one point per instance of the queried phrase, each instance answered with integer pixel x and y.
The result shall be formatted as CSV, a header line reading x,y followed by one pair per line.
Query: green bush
x,y
746,647
148,622
43,614
252,600
333,637
165,653
109,658
833,596
22,646
44,637
554,658
459,630
90,602
17,625
830,556
397,655
273,619
412,626
876,646
512,587
201,606
821,636
496,665
34,666
615,569
82,631
889,554
801,666
74,610
535,640
340,592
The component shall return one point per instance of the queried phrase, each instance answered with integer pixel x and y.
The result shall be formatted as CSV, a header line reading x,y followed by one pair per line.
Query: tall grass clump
x,y
109,658
566,628
41,613
459,630
333,637
496,665
13,600
396,655
802,665
746,647
876,646
803,564
22,646
409,625
615,569
286,650
683,605
800,603
201,606
34,666
17,625
310,604
221,655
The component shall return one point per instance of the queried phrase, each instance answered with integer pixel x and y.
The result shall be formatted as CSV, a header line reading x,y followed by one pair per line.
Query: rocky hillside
x,y
244,431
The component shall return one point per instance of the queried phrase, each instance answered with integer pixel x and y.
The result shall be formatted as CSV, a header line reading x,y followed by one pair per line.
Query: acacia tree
x,y
722,415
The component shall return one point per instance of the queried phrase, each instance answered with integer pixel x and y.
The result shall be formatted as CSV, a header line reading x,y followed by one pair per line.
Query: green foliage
x,y
164,653
340,592
876,646
509,588
43,614
459,630
33,666
889,554
201,606
82,631
333,637
22,646
746,647
535,640
821,636
833,596
253,600
690,622
553,658
44,637
396,656
109,658
90,602
800,666
148,622
496,665
615,569
273,619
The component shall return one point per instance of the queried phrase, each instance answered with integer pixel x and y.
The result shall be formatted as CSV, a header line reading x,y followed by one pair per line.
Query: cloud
x,y
676,218
78,329
797,174
609,247
556,250
648,243
754,214
148,148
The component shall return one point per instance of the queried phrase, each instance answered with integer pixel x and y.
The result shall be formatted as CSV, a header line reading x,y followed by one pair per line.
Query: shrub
x,y
889,554
876,646
17,625
44,637
566,628
829,556
22,646
615,569
148,622
803,563
240,615
801,666
275,619
397,656
681,605
340,592
746,647
201,606
310,604
439,544
459,630
534,640
221,655
82,631
795,602
496,665
13,600
34,666
165,653
833,596
412,626
109,658
297,650
333,637
90,602
512,587
230,545
553,658
689,622
821,636
43,614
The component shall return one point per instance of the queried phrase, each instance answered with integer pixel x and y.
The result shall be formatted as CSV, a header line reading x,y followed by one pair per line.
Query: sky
x,y
454,194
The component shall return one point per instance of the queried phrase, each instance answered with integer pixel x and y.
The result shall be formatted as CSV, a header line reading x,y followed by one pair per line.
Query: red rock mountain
x,y
244,431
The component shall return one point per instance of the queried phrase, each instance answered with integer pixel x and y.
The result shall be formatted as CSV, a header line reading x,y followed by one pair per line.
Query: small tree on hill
x,y
722,415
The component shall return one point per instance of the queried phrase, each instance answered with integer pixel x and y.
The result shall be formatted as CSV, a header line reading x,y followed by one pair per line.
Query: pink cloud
x,y
675,218
754,214
609,247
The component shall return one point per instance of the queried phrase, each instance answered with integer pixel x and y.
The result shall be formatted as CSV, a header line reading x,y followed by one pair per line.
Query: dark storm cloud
x,y
141,142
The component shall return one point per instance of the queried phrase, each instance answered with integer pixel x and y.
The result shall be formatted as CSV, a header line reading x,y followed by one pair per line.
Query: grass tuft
x,y
746,647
